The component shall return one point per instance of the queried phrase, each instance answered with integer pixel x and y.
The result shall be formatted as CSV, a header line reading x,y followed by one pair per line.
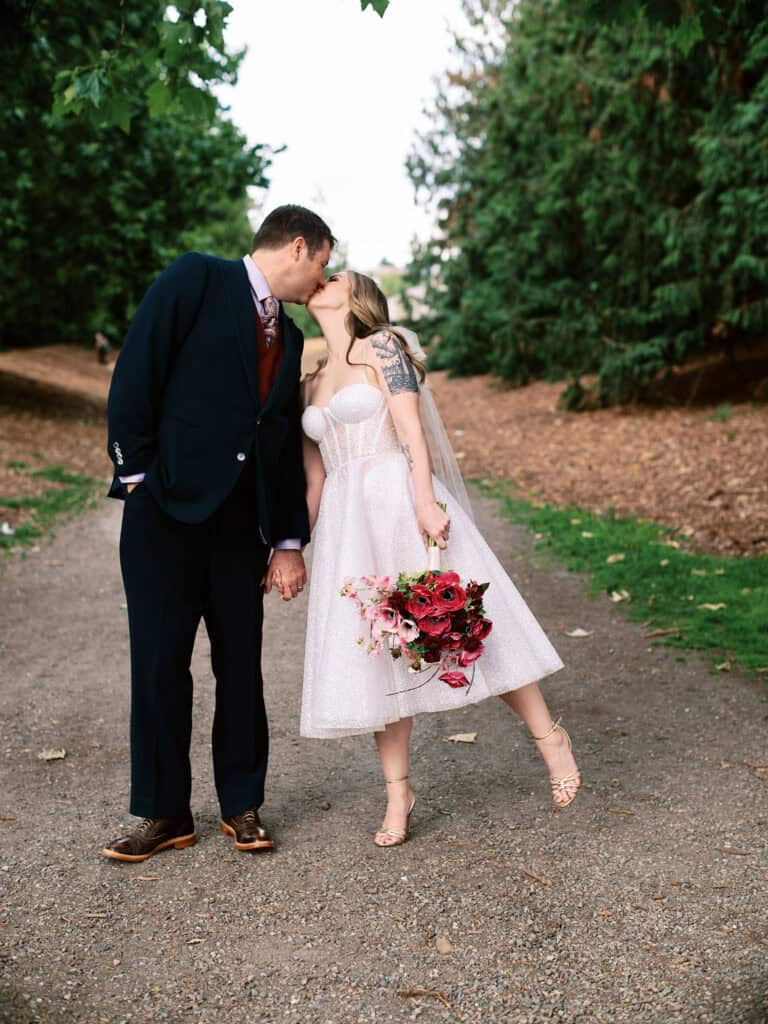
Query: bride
x,y
378,462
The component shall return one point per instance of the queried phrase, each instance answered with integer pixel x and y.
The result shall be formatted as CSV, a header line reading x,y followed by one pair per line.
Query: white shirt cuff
x,y
135,479
289,544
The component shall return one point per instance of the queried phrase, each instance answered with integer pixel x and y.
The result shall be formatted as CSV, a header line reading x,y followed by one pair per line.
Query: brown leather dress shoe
x,y
247,830
151,836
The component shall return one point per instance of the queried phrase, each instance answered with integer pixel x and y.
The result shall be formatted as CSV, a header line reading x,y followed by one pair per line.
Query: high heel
x,y
397,835
568,785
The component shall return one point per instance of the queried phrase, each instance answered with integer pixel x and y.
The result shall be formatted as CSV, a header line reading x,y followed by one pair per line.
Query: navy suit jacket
x,y
184,402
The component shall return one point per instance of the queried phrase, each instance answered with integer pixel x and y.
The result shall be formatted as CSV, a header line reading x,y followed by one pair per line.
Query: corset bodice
x,y
355,424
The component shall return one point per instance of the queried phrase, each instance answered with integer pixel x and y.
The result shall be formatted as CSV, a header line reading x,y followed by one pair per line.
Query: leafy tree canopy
x,y
601,190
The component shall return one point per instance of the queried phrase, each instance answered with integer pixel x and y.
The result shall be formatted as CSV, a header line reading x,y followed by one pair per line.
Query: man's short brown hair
x,y
285,223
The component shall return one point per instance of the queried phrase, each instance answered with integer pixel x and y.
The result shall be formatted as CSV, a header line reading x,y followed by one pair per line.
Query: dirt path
x,y
644,902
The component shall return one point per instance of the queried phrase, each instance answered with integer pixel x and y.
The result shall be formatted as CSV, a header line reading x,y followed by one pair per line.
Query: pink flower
x,y
454,679
407,630
386,620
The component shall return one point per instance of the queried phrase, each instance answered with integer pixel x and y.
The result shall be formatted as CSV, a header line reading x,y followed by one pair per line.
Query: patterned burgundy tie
x,y
270,319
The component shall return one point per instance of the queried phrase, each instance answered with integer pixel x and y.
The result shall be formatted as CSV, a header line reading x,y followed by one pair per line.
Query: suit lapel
x,y
243,314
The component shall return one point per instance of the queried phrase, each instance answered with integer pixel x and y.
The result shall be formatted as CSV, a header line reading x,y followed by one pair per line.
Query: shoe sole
x,y
179,843
259,844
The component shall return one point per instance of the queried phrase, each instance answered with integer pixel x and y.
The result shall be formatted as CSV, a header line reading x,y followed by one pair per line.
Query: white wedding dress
x,y
367,525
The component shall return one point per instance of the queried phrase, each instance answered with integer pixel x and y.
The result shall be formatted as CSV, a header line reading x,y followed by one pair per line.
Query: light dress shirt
x,y
260,290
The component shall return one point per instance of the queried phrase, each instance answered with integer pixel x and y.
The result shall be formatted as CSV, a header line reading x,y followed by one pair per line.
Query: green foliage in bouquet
x,y
600,176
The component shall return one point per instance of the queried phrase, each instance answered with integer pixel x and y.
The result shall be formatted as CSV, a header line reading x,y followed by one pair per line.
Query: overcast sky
x,y
344,91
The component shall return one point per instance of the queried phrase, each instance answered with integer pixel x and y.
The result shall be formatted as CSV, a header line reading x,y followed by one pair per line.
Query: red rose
x,y
421,603
454,679
449,597
449,577
481,629
472,651
433,655
434,625
452,641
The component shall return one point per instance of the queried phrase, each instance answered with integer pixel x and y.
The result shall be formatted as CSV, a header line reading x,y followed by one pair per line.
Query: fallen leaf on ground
x,y
587,534
461,737
712,607
724,666
662,632
618,810
732,852
147,878
7,817
52,754
578,633
537,878
619,595
193,942
612,559
417,993
443,945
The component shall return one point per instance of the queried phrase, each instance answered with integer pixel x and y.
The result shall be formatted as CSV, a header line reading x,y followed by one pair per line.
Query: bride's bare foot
x,y
565,779
400,800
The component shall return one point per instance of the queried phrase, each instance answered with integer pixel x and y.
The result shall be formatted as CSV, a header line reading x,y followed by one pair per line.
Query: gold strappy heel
x,y
568,784
397,835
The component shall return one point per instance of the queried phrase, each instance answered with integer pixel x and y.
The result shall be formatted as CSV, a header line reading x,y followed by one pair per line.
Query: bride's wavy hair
x,y
369,313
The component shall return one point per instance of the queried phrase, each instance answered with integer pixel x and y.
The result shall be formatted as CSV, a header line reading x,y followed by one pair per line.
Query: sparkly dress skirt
x,y
367,525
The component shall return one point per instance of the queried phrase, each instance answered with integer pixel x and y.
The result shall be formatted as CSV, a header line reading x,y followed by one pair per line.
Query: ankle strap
x,y
390,781
555,725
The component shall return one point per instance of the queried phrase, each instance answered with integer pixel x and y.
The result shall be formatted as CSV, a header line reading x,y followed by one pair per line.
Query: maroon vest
x,y
268,359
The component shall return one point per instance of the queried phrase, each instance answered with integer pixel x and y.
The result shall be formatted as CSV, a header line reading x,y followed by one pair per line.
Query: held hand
x,y
434,523
287,572
130,487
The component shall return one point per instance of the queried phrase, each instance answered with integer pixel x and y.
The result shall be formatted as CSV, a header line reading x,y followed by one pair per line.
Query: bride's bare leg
x,y
393,751
528,702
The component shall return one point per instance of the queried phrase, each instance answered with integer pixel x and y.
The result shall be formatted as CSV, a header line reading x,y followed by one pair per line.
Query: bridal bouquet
x,y
431,618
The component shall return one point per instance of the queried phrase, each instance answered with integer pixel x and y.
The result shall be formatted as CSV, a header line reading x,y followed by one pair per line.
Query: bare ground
x,y
643,903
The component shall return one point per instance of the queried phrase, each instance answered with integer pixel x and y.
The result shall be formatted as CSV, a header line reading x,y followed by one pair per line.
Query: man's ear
x,y
298,247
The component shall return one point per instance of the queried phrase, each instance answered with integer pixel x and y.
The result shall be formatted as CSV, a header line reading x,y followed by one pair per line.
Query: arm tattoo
x,y
408,456
399,372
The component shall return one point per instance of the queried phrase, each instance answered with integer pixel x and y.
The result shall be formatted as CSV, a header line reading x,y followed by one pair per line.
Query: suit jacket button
x,y
241,456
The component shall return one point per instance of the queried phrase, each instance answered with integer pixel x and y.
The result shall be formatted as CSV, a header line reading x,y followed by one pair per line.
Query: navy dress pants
x,y
175,574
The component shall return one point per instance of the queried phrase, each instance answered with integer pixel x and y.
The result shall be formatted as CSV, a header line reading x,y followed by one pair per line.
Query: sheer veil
x,y
444,464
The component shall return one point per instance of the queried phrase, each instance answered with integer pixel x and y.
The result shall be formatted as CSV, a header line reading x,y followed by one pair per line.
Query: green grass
x,y
665,587
71,493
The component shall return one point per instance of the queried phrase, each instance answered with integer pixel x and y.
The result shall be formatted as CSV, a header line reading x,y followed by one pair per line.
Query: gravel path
x,y
643,902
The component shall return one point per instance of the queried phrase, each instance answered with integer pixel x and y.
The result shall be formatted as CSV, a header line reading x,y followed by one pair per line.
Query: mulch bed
x,y
679,467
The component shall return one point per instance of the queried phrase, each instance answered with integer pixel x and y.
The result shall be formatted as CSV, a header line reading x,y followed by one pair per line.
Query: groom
x,y
205,437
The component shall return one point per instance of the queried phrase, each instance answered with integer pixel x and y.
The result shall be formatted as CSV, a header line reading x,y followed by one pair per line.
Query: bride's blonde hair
x,y
368,314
